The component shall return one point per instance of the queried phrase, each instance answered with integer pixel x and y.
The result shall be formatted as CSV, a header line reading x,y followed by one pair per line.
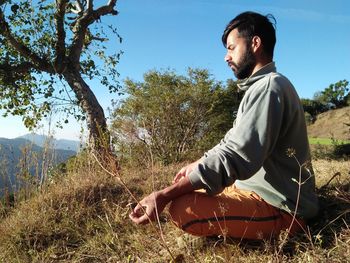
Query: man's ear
x,y
256,43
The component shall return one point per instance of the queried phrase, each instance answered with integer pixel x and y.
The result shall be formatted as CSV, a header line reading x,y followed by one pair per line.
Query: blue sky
x,y
312,50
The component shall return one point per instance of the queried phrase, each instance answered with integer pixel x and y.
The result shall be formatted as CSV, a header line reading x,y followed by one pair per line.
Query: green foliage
x,y
330,148
313,107
169,116
222,114
308,118
336,95
333,97
40,41
19,89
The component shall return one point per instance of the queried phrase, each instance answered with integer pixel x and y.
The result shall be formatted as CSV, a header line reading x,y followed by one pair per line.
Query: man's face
x,y
239,57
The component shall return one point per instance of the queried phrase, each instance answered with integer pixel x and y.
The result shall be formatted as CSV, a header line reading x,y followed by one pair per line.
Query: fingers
x,y
181,174
178,177
139,215
148,208
185,171
137,219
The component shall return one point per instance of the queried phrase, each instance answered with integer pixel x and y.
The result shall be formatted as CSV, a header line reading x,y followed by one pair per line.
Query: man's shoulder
x,y
277,82
278,79
272,81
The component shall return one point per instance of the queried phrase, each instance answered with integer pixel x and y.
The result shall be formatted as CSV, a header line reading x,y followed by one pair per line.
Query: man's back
x,y
282,128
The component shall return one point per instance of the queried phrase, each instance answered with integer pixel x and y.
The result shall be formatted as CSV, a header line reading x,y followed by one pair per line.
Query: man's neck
x,y
260,64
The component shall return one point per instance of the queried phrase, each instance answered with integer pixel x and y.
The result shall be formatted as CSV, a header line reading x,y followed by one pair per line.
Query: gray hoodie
x,y
266,150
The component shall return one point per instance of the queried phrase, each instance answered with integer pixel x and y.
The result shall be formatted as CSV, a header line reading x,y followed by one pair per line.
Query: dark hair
x,y
250,24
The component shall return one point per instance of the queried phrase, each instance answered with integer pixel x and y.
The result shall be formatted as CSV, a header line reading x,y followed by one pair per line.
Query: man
x,y
263,160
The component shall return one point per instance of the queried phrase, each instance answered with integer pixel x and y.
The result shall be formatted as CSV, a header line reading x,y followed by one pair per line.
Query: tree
x,y
336,95
222,113
48,51
313,107
171,116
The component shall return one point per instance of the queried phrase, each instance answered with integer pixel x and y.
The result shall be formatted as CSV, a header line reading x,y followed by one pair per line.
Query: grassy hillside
x,y
332,124
82,216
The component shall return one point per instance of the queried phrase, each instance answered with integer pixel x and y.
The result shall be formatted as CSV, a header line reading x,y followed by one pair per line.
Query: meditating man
x,y
258,180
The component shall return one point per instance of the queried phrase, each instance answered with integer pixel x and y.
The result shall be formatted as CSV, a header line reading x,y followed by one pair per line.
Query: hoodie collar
x,y
246,83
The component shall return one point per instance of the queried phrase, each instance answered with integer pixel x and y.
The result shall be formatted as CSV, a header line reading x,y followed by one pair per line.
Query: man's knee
x,y
179,209
194,212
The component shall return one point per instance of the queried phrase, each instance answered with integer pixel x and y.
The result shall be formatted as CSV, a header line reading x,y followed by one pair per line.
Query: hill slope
x,y
19,153
83,217
61,144
332,124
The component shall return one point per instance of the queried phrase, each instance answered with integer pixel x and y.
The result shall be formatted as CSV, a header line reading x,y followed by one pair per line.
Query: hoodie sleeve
x,y
245,147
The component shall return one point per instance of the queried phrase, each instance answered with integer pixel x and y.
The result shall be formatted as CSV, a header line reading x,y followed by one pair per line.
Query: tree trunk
x,y
99,138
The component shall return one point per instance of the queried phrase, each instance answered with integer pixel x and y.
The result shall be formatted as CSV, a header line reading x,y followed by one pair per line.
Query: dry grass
x,y
83,217
331,124
325,169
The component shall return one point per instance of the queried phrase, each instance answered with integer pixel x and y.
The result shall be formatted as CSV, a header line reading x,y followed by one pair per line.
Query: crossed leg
x,y
234,213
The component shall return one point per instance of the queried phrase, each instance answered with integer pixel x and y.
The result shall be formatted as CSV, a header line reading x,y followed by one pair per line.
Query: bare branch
x,y
105,10
60,45
103,39
81,25
65,89
38,63
90,5
79,7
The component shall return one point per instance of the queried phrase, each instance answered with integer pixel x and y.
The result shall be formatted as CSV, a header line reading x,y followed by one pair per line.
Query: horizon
x,y
41,135
311,49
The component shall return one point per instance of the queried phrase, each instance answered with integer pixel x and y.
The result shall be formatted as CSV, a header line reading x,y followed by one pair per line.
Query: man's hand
x,y
153,204
185,171
149,208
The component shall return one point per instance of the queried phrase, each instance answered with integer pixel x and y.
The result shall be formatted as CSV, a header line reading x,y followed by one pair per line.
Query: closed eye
x,y
231,47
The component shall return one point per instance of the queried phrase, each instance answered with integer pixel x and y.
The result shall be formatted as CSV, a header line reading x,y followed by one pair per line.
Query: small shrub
x,y
342,150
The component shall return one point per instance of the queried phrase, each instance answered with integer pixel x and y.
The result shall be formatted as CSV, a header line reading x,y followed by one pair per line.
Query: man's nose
x,y
227,58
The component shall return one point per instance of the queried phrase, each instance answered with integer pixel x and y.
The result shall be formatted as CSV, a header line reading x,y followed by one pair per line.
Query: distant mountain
x,y
21,154
43,141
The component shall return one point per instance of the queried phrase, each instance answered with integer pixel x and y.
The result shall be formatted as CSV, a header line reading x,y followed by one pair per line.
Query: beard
x,y
245,66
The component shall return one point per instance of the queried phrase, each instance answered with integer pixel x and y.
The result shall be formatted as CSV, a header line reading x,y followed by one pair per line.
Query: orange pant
x,y
234,213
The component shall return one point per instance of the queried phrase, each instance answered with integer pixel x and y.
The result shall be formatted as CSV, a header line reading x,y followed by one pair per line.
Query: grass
x,y
326,141
82,216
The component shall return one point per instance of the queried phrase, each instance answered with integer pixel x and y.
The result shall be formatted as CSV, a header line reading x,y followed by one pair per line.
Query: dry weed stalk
x,y
223,230
300,182
155,204
111,162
